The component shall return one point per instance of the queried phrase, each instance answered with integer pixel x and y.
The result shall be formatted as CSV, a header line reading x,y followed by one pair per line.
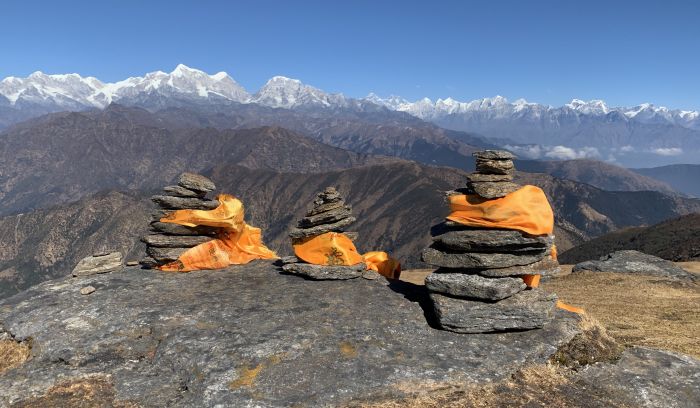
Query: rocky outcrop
x,y
630,261
248,337
98,263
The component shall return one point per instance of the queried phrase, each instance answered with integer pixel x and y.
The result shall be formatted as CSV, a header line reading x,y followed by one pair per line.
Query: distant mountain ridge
x,y
682,177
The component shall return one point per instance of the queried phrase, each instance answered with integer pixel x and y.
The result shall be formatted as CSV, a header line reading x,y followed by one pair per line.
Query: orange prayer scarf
x,y
335,248
526,209
237,243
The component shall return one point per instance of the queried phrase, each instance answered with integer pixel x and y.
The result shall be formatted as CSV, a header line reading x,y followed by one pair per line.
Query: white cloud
x,y
668,151
568,153
527,152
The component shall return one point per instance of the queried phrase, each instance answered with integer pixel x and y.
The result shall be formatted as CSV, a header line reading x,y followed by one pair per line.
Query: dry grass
x,y
637,310
535,386
91,392
13,354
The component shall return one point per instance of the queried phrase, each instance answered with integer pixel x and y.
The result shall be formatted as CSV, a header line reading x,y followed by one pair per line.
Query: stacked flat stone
x,y
329,213
167,241
478,286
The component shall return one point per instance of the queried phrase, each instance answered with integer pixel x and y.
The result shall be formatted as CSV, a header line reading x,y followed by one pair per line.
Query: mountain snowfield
x,y
578,129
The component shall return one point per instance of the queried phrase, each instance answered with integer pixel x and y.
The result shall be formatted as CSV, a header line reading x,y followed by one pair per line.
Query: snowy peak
x,y
283,92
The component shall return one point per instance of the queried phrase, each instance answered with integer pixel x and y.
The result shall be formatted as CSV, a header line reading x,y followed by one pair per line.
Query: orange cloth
x,y
237,243
526,209
335,248
569,308
532,281
554,252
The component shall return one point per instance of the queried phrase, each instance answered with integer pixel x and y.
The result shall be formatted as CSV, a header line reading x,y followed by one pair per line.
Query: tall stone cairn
x,y
478,286
329,213
168,241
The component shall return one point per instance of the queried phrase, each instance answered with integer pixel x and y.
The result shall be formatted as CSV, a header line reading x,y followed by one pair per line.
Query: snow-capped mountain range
x,y
71,91
578,129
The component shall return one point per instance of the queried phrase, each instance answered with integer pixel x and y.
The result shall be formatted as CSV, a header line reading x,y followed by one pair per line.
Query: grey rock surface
x,y
250,336
184,203
317,209
175,229
325,272
494,155
92,265
297,233
651,378
488,166
478,177
179,191
162,255
327,217
528,309
196,182
485,240
174,241
545,267
630,261
467,260
473,286
494,189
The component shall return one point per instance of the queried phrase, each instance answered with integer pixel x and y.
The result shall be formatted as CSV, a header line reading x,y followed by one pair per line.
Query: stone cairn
x,y
168,241
328,214
478,286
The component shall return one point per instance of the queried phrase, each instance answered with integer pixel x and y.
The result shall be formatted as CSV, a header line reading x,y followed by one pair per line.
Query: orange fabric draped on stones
x,y
526,210
237,243
335,248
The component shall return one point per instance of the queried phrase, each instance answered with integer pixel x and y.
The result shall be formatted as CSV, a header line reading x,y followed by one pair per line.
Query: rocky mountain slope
x,y
599,174
395,205
677,239
682,177
65,157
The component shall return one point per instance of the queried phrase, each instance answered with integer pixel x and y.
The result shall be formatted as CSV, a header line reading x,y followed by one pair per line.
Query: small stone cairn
x,y
328,214
168,241
478,286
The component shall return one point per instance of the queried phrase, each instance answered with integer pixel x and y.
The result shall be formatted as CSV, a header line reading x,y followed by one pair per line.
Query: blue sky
x,y
625,52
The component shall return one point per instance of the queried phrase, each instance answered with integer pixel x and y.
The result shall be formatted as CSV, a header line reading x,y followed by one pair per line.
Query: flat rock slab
x,y
491,166
102,263
196,182
317,209
298,233
473,286
174,241
482,240
650,378
529,309
325,272
250,336
547,266
494,189
175,229
467,260
324,218
179,191
630,261
478,177
494,155
164,254
184,203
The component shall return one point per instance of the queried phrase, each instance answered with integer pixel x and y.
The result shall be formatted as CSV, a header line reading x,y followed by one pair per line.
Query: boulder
x,y
101,263
481,260
325,272
630,261
196,182
473,286
529,309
